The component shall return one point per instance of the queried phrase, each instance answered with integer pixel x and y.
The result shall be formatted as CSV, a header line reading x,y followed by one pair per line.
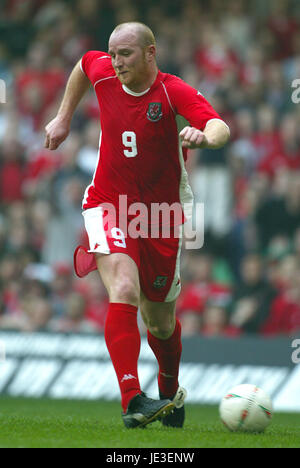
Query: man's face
x,y
128,59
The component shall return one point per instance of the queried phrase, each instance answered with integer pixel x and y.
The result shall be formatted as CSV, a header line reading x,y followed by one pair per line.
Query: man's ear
x,y
150,52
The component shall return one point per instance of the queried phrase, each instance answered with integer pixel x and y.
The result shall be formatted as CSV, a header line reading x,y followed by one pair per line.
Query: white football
x,y
246,408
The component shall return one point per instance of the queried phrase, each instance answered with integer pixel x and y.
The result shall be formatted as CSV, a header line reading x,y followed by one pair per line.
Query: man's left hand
x,y
193,138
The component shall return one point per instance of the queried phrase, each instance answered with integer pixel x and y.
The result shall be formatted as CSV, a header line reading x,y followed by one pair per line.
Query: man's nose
x,y
118,62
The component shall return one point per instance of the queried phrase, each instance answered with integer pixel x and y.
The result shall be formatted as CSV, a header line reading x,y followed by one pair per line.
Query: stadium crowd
x,y
243,56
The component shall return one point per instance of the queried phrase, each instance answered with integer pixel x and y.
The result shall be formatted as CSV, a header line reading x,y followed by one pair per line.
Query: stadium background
x,y
244,284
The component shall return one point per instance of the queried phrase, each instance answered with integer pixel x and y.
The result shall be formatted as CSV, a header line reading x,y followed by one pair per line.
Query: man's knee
x,y
159,318
125,290
162,329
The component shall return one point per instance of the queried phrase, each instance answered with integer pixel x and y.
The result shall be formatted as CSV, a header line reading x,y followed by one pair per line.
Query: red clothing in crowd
x,y
284,29
11,180
42,164
279,159
215,62
195,296
96,312
37,90
266,143
284,317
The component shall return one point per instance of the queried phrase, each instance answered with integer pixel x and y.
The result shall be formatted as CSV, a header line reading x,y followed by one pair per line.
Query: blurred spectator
x,y
36,315
11,170
243,57
214,57
296,241
61,288
252,299
243,153
190,323
266,136
74,319
279,214
38,85
88,154
199,290
284,316
286,155
237,26
285,270
96,300
215,321
283,26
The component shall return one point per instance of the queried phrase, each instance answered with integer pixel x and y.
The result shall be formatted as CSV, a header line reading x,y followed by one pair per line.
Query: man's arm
x,y
58,129
215,135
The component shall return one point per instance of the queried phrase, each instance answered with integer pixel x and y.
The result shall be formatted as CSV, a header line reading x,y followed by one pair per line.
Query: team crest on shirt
x,y
154,112
160,282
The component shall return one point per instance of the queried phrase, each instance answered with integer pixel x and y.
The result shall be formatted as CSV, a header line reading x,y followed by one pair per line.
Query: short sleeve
x,y
190,104
96,65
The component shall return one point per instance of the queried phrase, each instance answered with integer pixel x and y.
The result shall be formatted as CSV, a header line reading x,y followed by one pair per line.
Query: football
x,y
246,408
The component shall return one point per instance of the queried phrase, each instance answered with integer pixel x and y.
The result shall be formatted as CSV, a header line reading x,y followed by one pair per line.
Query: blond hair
x,y
144,33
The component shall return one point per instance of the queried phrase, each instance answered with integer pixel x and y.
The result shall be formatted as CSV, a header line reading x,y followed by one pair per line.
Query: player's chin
x,y
124,77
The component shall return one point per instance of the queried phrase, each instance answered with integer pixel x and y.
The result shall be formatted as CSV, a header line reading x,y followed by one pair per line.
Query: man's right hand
x,y
56,132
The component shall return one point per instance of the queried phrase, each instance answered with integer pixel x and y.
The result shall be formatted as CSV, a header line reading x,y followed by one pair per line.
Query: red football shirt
x,y
140,154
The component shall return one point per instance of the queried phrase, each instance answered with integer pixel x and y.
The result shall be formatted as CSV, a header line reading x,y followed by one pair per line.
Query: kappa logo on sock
x,y
167,375
127,377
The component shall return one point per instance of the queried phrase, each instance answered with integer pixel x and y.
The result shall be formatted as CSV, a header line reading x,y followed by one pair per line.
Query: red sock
x,y
168,354
123,343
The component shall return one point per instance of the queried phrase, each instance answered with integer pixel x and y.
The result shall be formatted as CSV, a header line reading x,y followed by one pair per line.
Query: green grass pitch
x,y
31,423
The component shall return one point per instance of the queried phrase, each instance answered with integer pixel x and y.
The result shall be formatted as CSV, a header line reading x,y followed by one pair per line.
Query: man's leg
x,y
117,266
164,338
120,277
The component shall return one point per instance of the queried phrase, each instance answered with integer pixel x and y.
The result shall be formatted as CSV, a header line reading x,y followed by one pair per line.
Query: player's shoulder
x,y
95,55
178,88
97,59
172,81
